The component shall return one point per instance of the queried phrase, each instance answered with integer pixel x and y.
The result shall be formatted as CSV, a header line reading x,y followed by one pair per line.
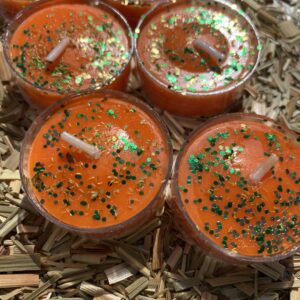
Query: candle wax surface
x,y
165,46
95,193
98,51
250,220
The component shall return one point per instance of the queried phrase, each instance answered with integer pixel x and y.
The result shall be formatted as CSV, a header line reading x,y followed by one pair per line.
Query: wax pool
x,y
97,56
9,8
217,205
187,81
85,194
132,9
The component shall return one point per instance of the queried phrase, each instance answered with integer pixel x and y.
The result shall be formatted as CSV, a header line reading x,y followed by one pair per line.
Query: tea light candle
x,y
9,8
194,57
236,189
56,48
97,163
132,9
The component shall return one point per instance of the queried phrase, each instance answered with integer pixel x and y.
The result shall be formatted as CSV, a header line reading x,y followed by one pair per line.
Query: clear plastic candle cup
x,y
97,163
10,8
194,57
236,189
60,47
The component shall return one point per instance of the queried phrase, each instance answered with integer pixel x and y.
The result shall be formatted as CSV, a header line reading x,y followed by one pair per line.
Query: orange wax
x,y
183,80
87,194
98,54
132,9
9,8
216,204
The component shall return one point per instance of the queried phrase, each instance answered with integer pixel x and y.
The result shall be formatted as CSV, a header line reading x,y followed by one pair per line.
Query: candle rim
x,y
39,5
143,2
34,129
179,202
166,3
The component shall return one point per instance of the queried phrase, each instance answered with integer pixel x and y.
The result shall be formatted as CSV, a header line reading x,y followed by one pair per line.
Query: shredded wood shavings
x,y
41,261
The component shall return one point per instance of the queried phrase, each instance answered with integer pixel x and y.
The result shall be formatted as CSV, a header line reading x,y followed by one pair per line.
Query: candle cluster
x,y
97,162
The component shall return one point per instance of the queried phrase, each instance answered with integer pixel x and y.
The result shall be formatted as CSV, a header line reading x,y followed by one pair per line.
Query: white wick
x,y
262,169
201,45
58,50
79,144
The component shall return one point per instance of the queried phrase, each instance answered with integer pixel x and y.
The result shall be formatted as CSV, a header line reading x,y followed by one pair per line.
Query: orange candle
x,y
109,194
132,9
194,57
9,8
97,54
217,200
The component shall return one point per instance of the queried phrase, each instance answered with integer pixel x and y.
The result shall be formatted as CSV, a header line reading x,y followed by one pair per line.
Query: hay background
x,y
40,261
